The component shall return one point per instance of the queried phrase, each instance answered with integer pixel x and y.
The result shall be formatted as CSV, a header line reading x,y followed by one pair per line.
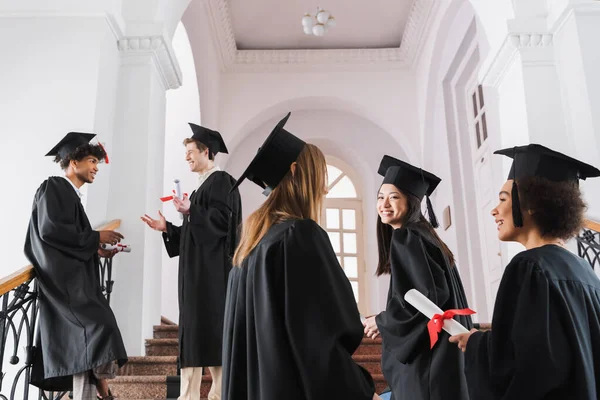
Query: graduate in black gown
x,y
416,258
291,321
545,337
78,340
205,243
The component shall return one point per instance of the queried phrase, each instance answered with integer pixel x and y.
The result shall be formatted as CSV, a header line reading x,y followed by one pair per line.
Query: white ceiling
x,y
276,24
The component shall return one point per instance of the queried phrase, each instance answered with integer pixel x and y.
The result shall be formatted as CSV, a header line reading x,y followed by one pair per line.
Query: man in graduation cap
x,y
205,244
545,337
79,340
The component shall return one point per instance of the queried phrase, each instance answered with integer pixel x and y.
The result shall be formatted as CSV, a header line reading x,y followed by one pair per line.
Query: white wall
x,y
183,106
356,141
40,105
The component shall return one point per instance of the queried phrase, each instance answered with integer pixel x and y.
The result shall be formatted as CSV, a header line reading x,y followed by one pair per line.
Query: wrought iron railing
x,y
18,319
588,244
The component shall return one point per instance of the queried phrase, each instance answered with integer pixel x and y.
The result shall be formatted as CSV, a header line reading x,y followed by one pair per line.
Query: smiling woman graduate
x,y
545,337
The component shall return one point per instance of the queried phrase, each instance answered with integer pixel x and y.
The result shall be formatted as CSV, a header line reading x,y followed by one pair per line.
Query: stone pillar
x,y
148,69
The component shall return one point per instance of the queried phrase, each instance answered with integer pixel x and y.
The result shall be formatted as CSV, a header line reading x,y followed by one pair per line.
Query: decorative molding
x,y
234,60
513,44
220,21
522,40
161,52
416,26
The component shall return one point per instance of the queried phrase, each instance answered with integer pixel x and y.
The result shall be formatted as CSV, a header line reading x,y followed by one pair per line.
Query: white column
x,y
577,26
148,68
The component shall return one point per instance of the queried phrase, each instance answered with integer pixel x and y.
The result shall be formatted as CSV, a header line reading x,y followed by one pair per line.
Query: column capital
x,y
160,51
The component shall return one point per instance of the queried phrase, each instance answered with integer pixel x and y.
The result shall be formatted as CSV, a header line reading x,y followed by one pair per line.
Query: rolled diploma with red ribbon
x,y
119,247
177,192
429,309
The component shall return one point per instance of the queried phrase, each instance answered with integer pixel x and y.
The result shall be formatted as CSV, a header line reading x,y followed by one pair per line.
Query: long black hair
x,y
413,218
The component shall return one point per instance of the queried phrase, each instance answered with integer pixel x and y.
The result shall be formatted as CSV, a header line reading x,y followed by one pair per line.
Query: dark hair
x,y
557,208
412,219
80,153
201,146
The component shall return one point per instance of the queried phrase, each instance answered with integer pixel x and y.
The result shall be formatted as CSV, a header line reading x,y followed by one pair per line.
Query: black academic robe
x,y
545,338
77,329
205,244
413,370
291,322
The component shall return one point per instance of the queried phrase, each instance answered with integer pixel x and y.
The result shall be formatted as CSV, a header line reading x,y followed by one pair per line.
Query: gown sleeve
x,y
403,328
211,223
321,318
57,225
527,354
172,239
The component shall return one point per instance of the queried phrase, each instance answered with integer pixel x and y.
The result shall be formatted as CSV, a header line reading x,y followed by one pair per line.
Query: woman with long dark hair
x,y
416,258
545,337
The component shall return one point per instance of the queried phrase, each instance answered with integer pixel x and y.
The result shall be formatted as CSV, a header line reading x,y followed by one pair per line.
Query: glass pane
x,y
474,104
344,189
332,217
332,174
350,243
478,135
354,285
349,219
339,260
351,267
481,104
335,240
484,126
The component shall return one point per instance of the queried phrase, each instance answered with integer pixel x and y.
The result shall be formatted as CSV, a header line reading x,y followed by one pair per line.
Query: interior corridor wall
x,y
50,80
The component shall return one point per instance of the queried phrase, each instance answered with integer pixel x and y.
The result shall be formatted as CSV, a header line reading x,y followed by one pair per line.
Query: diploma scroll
x,y
177,192
119,247
429,309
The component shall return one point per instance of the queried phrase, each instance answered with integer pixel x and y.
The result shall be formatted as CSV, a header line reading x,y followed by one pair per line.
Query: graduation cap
x,y
69,143
410,179
537,160
273,159
211,139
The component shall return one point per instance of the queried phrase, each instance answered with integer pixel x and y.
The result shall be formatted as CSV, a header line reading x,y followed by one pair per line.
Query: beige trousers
x,y
191,380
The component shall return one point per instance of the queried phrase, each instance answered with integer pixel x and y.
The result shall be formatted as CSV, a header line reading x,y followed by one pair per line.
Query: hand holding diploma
x,y
182,205
438,319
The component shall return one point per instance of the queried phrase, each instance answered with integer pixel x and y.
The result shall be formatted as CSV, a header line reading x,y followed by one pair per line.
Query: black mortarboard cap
x,y
69,143
411,179
211,139
273,159
540,161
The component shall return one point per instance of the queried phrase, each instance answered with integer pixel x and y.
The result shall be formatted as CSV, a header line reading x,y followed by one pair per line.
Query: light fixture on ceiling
x,y
319,24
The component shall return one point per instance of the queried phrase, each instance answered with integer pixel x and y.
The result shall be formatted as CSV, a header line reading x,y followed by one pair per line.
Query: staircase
x,y
154,376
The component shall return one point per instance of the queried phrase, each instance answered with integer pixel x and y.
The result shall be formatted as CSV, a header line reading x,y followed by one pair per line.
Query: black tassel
x,y
431,214
516,206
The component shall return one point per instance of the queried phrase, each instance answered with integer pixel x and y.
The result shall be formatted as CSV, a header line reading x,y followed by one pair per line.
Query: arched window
x,y
342,219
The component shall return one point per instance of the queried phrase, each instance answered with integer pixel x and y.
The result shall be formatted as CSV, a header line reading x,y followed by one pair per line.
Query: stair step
x,y
370,362
162,347
148,387
166,331
380,382
153,365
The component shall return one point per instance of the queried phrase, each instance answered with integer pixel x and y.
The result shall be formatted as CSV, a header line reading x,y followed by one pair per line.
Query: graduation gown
x,y
291,322
205,244
413,370
77,328
545,338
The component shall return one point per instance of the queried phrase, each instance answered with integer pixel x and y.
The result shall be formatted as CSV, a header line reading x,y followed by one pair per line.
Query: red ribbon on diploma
x,y
436,324
169,198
